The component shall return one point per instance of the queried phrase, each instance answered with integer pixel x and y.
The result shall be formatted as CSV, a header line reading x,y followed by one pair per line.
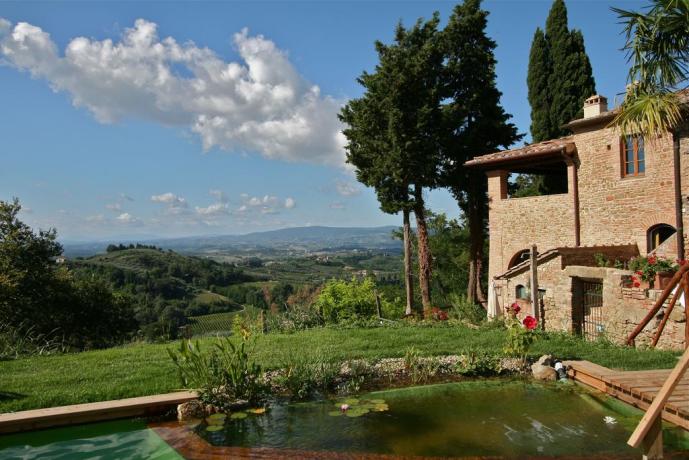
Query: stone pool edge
x,y
51,417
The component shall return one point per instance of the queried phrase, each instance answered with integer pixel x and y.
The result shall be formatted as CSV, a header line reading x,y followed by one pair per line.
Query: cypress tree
x,y
539,94
571,79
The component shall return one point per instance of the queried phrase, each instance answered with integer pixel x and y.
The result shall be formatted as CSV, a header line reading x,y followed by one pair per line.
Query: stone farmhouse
x,y
624,196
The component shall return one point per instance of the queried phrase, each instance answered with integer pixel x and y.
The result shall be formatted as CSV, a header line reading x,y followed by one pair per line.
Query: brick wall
x,y
613,210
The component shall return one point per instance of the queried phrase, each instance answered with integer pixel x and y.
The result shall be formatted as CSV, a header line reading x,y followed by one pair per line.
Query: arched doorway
x,y
657,234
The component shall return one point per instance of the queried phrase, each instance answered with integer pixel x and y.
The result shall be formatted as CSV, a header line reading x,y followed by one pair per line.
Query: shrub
x,y
341,299
297,319
520,336
23,340
646,267
463,310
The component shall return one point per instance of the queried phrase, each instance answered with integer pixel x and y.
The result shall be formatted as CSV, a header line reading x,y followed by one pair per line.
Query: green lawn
x,y
144,369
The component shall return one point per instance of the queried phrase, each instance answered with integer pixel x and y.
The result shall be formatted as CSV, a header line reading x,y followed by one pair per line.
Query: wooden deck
x,y
637,388
92,412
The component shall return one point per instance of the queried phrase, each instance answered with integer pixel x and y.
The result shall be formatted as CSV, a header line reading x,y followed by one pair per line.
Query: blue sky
x,y
228,126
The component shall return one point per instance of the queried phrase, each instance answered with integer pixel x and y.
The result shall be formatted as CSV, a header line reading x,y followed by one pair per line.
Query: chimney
x,y
595,105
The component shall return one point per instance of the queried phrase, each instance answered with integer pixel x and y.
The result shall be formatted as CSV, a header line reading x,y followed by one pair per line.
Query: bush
x,y
23,341
340,300
463,310
297,319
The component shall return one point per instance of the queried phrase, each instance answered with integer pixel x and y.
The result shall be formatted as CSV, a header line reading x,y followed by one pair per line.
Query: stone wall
x,y
624,306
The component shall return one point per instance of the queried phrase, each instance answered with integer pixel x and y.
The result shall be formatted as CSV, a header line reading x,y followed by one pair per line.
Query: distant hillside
x,y
305,239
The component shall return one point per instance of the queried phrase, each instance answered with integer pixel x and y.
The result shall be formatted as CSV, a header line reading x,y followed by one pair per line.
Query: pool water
x,y
121,439
499,418
484,418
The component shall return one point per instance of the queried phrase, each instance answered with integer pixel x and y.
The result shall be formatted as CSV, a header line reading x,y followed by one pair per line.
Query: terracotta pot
x,y
662,280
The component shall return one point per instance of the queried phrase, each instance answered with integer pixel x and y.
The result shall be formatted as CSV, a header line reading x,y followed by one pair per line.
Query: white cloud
x,y
260,103
98,219
126,197
347,188
128,219
114,207
337,205
290,203
213,209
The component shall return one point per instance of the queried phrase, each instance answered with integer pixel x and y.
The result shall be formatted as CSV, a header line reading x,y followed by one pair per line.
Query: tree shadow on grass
x,y
10,396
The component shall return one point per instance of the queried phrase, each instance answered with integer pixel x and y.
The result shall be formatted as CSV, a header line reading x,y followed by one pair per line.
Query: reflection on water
x,y
512,418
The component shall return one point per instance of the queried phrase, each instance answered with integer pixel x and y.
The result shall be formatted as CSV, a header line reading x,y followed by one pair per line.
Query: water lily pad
x,y
376,401
214,427
357,412
257,410
351,401
238,416
217,416
215,421
381,407
335,413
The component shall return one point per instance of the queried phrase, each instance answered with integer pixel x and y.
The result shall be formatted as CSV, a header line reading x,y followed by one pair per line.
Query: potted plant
x,y
654,270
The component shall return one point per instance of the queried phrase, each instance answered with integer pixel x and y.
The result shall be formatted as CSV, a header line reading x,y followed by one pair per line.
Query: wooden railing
x,y
680,280
648,434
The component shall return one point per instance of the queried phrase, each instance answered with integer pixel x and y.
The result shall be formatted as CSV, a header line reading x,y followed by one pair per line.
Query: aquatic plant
x,y
353,407
226,374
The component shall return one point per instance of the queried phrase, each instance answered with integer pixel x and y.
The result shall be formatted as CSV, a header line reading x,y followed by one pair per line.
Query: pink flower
x,y
530,322
344,407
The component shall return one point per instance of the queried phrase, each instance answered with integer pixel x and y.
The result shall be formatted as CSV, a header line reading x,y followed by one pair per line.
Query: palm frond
x,y
649,113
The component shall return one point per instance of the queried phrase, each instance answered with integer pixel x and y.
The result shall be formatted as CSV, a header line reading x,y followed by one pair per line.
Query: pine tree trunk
x,y
424,251
408,276
476,245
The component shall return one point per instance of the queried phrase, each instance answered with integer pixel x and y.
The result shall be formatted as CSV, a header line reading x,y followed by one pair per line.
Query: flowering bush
x,y
438,314
514,309
520,335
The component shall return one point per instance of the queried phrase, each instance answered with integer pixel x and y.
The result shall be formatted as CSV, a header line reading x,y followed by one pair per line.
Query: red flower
x,y
652,260
637,284
639,272
530,322
515,308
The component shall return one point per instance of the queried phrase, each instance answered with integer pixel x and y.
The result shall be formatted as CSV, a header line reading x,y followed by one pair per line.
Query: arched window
x,y
519,257
658,234
520,292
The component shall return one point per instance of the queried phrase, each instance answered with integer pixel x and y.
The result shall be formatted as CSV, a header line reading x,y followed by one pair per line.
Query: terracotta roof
x,y
540,149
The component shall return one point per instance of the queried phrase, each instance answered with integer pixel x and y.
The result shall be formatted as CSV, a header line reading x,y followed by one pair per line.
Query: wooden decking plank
x,y
637,388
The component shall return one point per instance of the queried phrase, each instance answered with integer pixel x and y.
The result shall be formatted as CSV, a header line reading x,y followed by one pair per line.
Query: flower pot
x,y
663,279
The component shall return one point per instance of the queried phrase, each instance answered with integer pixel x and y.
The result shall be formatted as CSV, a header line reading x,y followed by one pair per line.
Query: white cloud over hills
x,y
261,104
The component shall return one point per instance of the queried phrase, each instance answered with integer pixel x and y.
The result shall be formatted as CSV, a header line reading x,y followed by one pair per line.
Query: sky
x,y
159,119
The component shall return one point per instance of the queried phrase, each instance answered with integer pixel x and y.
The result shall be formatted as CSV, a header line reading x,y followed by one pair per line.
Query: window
x,y
633,156
520,292
658,234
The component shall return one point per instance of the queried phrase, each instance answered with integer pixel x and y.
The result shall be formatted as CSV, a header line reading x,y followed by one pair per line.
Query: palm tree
x,y
657,45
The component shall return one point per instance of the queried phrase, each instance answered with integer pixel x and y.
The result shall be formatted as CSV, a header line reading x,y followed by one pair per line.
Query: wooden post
x,y
685,282
380,316
652,445
680,288
534,283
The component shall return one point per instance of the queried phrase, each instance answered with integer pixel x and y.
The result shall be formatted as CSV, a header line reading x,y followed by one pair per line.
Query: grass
x,y
144,369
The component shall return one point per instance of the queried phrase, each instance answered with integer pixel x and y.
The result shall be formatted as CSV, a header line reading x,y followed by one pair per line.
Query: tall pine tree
x,y
560,77
475,123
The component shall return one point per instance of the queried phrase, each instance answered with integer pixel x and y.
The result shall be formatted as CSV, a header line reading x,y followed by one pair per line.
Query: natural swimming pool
x,y
482,418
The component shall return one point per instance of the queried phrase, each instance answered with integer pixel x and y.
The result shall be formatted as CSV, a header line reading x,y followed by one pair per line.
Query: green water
x,y
122,439
510,419
483,418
